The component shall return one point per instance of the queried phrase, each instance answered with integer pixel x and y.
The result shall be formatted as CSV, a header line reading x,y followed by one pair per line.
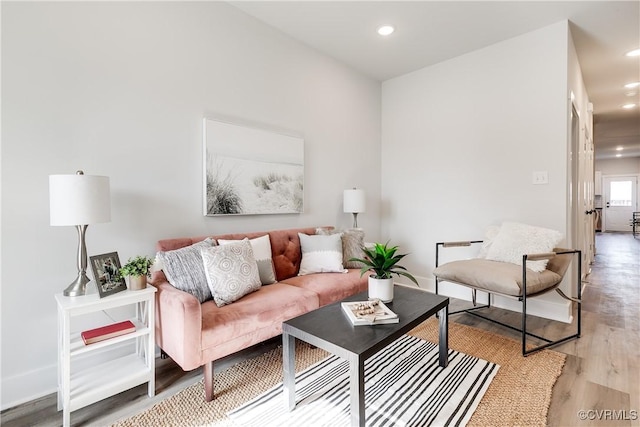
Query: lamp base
x,y
78,287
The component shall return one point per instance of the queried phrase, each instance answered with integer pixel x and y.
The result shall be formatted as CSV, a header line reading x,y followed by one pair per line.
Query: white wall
x,y
621,166
461,139
120,89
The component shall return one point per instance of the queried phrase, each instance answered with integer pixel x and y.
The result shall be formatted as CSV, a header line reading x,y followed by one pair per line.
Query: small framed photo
x,y
106,272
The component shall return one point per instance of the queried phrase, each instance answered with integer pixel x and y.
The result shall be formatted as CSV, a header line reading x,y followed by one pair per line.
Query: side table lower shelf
x,y
106,379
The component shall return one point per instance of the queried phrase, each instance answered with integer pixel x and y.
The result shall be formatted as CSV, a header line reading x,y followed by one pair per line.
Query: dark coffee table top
x,y
329,328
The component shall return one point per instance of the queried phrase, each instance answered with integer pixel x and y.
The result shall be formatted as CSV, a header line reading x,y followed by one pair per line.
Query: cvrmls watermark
x,y
608,414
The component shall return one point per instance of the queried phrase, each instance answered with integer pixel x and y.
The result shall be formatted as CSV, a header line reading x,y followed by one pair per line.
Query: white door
x,y
620,201
588,200
582,199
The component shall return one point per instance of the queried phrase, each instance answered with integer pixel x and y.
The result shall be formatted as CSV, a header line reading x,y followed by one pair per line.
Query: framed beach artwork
x,y
251,170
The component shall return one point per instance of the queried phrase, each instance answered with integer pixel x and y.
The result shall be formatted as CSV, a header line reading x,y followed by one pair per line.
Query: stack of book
x,y
372,312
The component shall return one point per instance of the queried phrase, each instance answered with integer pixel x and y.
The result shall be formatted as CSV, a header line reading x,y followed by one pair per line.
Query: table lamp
x,y
354,202
79,200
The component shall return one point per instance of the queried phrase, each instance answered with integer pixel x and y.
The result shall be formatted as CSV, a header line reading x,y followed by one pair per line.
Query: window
x,y
620,193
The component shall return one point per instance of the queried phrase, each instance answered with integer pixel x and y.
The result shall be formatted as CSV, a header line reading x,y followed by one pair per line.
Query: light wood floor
x,y
601,375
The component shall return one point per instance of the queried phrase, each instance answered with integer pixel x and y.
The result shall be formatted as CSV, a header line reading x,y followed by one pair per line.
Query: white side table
x,y
88,385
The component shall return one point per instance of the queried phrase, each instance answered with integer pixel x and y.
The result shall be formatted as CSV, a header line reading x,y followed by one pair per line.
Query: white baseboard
x,y
549,306
28,386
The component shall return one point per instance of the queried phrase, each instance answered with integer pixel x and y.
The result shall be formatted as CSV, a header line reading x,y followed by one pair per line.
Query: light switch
x,y
540,177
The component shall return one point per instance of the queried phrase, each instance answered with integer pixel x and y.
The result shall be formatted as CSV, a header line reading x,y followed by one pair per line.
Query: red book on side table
x,y
106,332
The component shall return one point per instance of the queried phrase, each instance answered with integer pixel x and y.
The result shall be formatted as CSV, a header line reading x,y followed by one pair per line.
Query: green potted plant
x,y
137,269
382,261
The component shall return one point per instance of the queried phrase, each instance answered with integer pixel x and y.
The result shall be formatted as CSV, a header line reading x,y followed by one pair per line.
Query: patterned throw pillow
x,y
231,270
352,243
262,252
321,254
185,271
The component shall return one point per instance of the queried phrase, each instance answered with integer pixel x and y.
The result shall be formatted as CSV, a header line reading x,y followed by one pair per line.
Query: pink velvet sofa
x,y
195,334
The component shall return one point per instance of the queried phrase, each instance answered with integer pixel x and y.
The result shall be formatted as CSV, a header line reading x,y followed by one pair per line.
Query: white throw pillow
x,y
262,252
184,269
515,239
489,235
321,254
352,243
231,271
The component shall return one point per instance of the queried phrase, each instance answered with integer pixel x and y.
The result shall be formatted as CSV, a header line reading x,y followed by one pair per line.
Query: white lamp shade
x,y
354,201
79,199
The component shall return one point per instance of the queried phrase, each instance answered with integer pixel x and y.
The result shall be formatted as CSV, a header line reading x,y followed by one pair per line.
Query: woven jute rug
x,y
519,394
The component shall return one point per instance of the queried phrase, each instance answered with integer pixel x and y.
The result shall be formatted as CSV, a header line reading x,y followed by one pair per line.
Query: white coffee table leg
x,y
356,375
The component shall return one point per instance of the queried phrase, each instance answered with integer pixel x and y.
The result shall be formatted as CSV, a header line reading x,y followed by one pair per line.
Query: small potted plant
x,y
137,269
382,261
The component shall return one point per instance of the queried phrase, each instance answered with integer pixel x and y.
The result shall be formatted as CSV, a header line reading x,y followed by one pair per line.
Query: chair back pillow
x,y
515,240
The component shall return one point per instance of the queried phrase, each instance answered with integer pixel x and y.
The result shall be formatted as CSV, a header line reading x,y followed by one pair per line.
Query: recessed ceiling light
x,y
632,93
635,52
632,85
386,30
628,106
618,155
619,148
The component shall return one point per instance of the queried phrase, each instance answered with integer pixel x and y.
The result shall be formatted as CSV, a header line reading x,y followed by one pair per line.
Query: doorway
x,y
620,201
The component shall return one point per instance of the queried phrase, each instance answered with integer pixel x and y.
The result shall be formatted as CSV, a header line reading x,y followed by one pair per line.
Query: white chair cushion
x,y
495,276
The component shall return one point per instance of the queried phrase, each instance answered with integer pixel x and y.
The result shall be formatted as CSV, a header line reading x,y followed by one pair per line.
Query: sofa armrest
x,y
178,325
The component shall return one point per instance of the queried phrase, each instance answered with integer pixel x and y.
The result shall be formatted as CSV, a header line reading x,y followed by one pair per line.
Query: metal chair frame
x,y
523,298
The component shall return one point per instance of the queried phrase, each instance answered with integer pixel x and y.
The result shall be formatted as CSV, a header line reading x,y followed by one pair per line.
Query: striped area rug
x,y
404,386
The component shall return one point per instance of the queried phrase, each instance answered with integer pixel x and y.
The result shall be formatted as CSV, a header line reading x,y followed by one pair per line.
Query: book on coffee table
x,y
369,313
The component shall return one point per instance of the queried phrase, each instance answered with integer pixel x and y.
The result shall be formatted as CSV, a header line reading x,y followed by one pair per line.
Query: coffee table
x,y
330,329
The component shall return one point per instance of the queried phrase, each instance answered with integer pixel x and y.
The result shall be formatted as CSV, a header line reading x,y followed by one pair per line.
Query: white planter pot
x,y
381,289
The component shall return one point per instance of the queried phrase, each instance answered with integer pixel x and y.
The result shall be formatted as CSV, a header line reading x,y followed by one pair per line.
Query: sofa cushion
x,y
231,270
331,287
262,252
184,269
321,254
253,318
352,244
285,248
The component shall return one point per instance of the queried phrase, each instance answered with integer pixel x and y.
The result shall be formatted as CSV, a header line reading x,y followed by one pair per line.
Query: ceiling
x,y
428,32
